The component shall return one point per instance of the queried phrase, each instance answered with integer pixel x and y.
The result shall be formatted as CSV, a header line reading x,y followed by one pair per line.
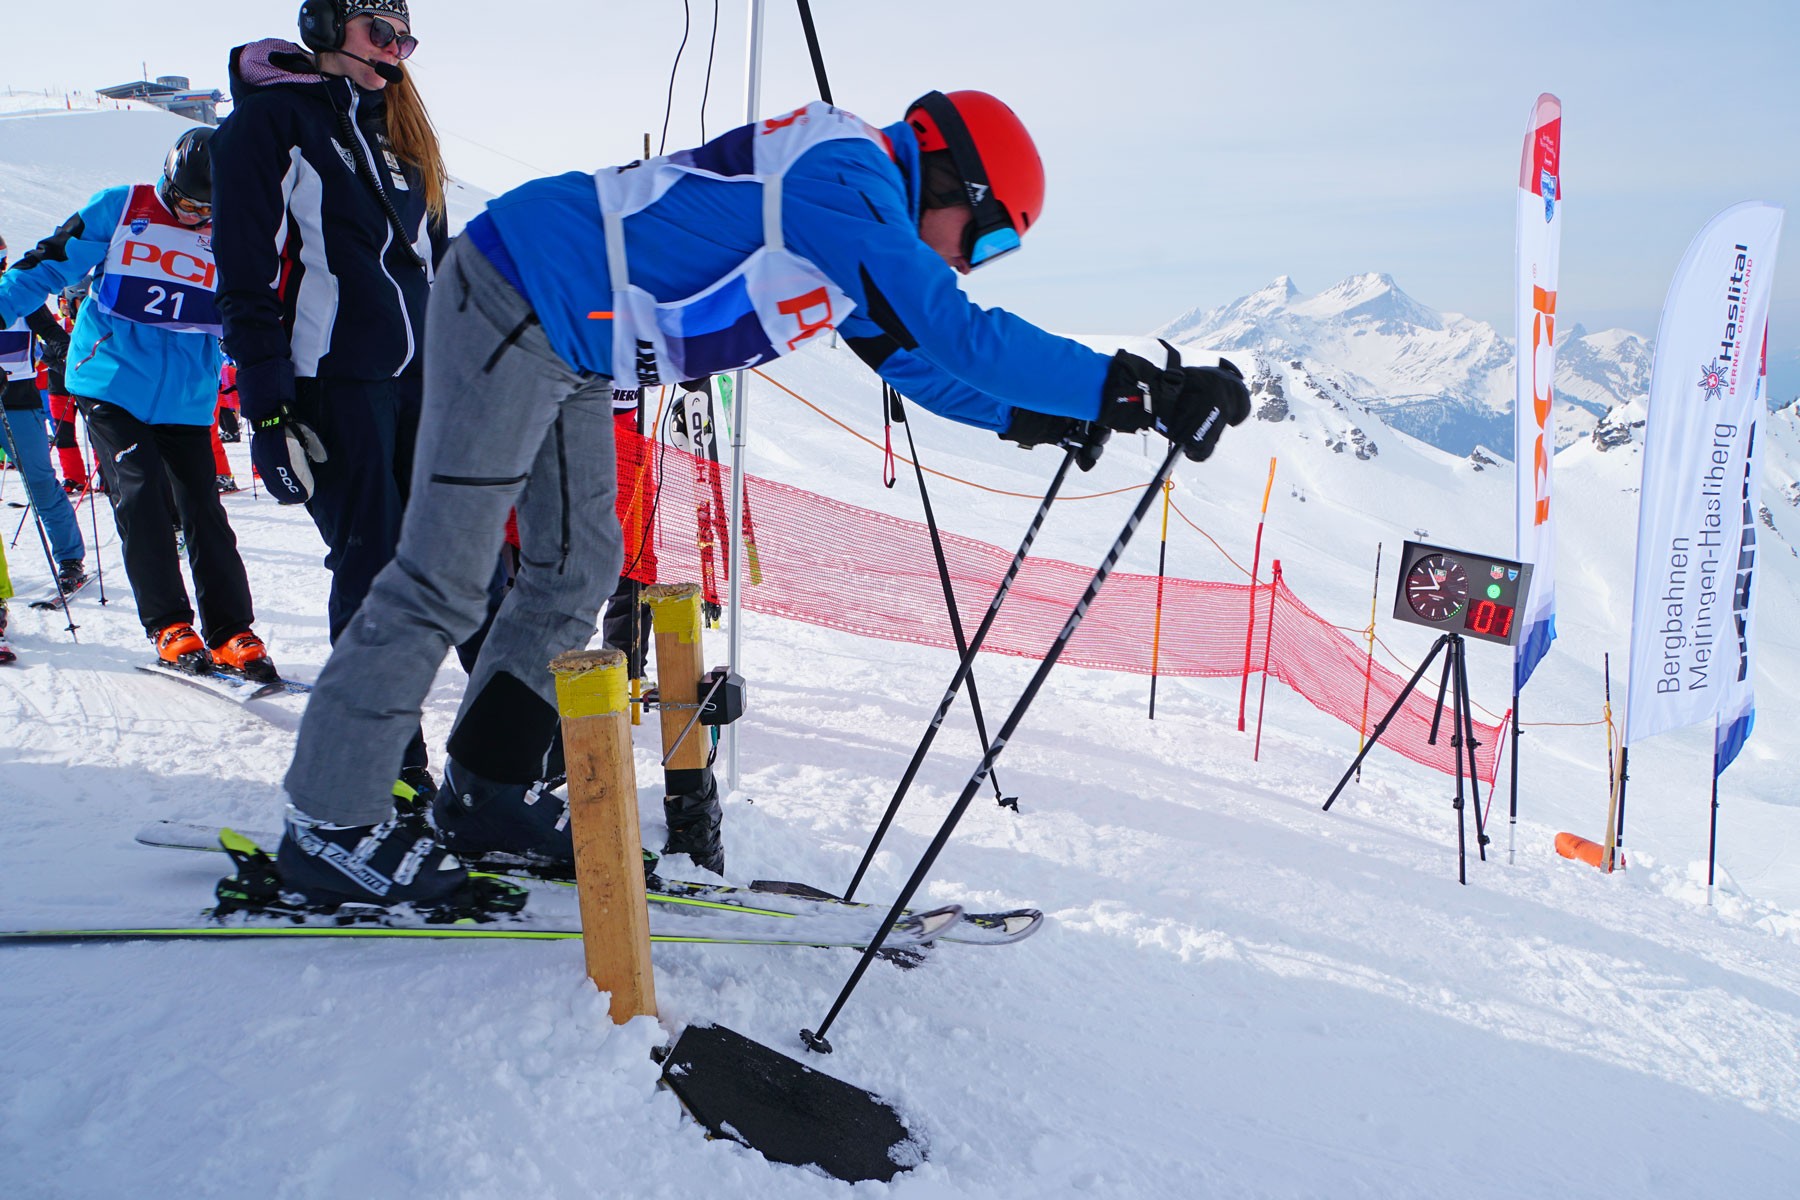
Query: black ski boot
x,y
321,867
694,818
515,824
415,790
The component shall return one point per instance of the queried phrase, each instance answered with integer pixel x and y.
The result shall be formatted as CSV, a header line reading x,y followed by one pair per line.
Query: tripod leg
x,y
1381,725
1437,714
1467,707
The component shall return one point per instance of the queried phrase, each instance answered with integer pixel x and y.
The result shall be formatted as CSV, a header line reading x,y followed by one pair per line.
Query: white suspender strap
x,y
771,186
618,271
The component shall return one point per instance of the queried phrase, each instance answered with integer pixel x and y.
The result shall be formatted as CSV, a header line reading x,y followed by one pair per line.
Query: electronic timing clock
x,y
1453,591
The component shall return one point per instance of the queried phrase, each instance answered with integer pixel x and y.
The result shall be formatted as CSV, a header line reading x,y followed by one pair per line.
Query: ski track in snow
x,y
1236,995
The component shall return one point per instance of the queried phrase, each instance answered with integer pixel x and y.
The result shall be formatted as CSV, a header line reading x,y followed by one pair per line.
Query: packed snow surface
x,y
1237,995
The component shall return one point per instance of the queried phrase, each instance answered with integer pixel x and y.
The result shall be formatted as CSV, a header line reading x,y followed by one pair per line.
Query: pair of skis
x,y
765,914
227,685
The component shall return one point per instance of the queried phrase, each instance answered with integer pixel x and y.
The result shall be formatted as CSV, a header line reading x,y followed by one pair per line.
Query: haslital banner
x,y
1534,358
1704,403
1737,711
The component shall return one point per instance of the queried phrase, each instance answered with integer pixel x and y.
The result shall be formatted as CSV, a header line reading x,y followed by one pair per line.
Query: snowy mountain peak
x,y
1373,297
1440,377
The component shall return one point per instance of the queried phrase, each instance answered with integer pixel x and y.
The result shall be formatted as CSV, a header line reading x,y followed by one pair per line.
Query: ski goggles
x,y
382,35
991,233
199,210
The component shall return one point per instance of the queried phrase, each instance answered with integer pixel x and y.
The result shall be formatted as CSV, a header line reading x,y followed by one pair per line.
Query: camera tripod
x,y
1454,682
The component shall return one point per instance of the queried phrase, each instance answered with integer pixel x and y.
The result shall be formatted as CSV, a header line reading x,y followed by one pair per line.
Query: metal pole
x,y
1712,838
734,639
1512,826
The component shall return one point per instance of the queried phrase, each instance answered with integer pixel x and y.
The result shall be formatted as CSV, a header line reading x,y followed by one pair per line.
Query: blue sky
x,y
1195,151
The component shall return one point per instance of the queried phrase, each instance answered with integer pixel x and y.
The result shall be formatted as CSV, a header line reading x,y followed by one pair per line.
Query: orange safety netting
x,y
814,559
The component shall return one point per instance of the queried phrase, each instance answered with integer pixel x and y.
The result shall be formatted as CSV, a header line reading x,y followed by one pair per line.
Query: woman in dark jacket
x,y
329,192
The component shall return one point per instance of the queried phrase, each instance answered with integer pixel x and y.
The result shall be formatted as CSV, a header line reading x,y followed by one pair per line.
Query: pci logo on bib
x,y
159,271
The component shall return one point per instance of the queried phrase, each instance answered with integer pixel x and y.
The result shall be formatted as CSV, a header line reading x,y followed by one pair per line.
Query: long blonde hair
x,y
415,139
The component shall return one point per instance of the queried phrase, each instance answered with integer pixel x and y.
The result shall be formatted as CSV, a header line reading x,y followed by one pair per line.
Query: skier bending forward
x,y
711,259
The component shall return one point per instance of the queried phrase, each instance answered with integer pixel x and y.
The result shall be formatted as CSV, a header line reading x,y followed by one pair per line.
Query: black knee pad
x,y
506,733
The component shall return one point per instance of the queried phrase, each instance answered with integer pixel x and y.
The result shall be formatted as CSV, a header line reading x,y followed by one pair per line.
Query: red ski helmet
x,y
995,158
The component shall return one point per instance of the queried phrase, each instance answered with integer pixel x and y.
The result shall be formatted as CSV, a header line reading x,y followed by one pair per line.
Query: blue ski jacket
x,y
159,376
848,207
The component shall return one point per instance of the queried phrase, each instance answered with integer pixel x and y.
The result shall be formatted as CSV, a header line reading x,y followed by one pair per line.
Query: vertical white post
x,y
740,415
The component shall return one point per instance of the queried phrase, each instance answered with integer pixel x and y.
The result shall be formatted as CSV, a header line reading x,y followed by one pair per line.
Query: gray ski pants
x,y
506,424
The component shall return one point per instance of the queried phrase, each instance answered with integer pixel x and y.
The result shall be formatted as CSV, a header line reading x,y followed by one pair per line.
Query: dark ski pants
x,y
507,424
359,492
146,468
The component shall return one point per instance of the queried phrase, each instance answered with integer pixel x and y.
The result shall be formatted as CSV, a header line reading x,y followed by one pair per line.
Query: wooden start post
x,y
675,617
591,695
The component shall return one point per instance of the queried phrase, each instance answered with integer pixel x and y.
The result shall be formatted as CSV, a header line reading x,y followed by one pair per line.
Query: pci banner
x,y
1534,359
1687,641
1737,711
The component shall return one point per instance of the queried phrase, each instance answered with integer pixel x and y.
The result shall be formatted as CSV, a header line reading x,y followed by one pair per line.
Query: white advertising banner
x,y
1705,404
1534,358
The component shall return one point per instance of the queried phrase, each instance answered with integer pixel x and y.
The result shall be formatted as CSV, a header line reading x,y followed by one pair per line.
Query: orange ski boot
x,y
244,654
180,647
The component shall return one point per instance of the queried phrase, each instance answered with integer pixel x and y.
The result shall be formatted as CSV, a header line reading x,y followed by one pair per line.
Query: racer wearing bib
x,y
715,258
143,367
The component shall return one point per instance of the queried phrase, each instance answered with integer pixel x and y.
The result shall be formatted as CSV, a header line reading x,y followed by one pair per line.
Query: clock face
x,y
1437,587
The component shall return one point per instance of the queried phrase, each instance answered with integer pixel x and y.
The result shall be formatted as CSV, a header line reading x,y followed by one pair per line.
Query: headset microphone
x,y
387,71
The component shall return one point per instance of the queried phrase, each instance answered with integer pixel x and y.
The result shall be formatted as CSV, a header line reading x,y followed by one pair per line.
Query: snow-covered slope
x,y
1237,995
1441,377
42,181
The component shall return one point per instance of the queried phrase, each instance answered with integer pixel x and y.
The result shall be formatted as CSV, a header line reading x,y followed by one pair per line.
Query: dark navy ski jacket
x,y
312,267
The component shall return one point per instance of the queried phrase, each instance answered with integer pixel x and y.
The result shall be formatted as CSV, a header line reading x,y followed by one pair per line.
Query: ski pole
x,y
1162,564
963,667
816,1040
962,645
94,510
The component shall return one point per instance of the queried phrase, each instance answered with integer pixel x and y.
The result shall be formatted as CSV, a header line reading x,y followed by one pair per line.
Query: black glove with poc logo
x,y
1188,405
282,447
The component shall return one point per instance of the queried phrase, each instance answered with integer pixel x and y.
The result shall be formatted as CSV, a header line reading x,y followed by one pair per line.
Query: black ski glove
x,y
1086,438
1188,405
266,389
284,450
56,343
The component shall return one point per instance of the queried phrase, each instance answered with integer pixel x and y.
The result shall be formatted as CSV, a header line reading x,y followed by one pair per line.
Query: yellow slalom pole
x,y
1255,568
1362,728
1162,560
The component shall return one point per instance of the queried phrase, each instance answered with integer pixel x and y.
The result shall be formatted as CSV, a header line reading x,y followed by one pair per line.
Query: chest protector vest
x,y
765,306
15,351
159,271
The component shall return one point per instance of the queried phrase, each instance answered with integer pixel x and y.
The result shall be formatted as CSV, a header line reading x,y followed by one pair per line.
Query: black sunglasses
x,y
382,35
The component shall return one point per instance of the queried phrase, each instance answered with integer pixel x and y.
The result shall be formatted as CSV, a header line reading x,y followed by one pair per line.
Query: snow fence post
x,y
603,817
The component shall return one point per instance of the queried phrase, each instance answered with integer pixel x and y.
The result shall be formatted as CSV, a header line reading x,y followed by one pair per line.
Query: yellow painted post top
x,y
591,683
675,608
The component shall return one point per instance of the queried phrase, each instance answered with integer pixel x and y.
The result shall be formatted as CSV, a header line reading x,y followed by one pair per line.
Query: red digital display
x,y
1489,619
